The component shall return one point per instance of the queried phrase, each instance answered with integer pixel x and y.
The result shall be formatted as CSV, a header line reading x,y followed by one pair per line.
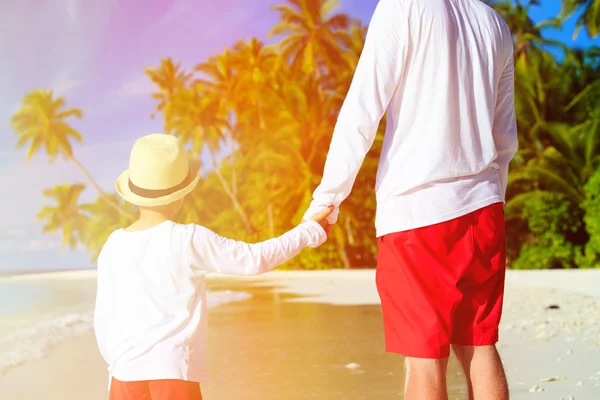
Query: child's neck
x,y
147,220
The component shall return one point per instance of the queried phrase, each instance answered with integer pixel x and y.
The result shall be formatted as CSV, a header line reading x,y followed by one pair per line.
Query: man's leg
x,y
425,379
477,316
417,275
484,372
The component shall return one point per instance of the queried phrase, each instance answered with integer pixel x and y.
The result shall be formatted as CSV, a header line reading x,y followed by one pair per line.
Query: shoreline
x,y
354,273
333,286
49,275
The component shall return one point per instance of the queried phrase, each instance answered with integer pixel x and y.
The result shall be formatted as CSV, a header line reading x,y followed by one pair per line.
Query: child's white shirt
x,y
150,318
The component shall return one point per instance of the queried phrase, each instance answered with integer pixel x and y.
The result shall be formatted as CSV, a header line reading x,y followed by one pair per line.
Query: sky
x,y
94,53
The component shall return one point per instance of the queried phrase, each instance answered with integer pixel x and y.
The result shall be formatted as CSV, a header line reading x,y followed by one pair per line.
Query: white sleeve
x,y
375,80
213,253
102,309
505,122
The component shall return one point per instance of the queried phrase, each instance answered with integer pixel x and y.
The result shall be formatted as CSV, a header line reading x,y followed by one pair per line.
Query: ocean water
x,y
40,311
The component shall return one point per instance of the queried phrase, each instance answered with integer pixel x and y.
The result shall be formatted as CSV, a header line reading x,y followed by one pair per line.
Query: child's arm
x,y
211,252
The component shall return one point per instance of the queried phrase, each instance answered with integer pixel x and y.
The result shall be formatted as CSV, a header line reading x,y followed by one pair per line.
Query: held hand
x,y
321,218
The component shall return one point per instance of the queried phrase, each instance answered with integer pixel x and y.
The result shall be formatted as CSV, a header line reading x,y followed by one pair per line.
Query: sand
x,y
318,334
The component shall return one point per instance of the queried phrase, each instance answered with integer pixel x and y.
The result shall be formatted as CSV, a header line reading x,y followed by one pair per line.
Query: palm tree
x,y
354,41
537,90
194,111
198,117
581,67
302,118
239,79
207,205
67,215
589,19
276,175
193,209
169,78
41,122
312,34
562,95
527,34
257,65
565,166
102,221
219,77
303,131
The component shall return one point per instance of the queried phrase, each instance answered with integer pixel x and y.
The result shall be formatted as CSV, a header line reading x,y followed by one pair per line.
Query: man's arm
x,y
505,122
375,80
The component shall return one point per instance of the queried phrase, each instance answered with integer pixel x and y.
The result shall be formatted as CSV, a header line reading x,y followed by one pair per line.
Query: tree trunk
x,y
341,247
106,198
233,171
261,117
271,224
349,234
236,204
232,156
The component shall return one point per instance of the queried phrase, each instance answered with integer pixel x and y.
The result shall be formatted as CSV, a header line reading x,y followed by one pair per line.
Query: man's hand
x,y
321,218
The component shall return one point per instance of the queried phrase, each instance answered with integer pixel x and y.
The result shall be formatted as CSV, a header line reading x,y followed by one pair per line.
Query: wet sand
x,y
271,348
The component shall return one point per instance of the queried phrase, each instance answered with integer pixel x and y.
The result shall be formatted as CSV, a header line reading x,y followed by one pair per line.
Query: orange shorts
x,y
164,389
443,284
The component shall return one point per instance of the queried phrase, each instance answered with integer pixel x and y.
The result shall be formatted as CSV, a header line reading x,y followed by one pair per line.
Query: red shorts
x,y
165,389
443,284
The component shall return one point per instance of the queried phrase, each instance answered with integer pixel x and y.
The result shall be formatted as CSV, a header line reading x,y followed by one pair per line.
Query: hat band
x,y
153,194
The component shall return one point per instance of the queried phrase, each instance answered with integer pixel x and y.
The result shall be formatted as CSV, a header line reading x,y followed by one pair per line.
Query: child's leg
x,y
174,389
137,390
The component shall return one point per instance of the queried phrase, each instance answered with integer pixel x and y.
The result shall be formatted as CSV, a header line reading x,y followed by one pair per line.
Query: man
x,y
444,70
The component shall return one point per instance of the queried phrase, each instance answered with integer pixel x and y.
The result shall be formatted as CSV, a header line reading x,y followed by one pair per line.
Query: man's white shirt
x,y
444,71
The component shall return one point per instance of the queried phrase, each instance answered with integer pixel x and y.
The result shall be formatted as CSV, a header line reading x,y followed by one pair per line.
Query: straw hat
x,y
159,172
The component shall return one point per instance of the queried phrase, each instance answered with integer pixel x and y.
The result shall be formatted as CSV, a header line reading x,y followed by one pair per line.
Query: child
x,y
150,318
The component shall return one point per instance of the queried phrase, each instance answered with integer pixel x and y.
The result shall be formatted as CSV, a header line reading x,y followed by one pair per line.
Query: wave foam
x,y
35,342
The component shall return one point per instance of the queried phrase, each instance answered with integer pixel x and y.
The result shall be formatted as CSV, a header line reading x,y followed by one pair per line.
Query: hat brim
x,y
122,187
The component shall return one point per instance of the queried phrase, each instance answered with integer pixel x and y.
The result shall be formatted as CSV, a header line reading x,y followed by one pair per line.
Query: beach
x,y
311,335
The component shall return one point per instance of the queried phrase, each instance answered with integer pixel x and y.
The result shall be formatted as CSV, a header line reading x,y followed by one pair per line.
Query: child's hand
x,y
321,218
